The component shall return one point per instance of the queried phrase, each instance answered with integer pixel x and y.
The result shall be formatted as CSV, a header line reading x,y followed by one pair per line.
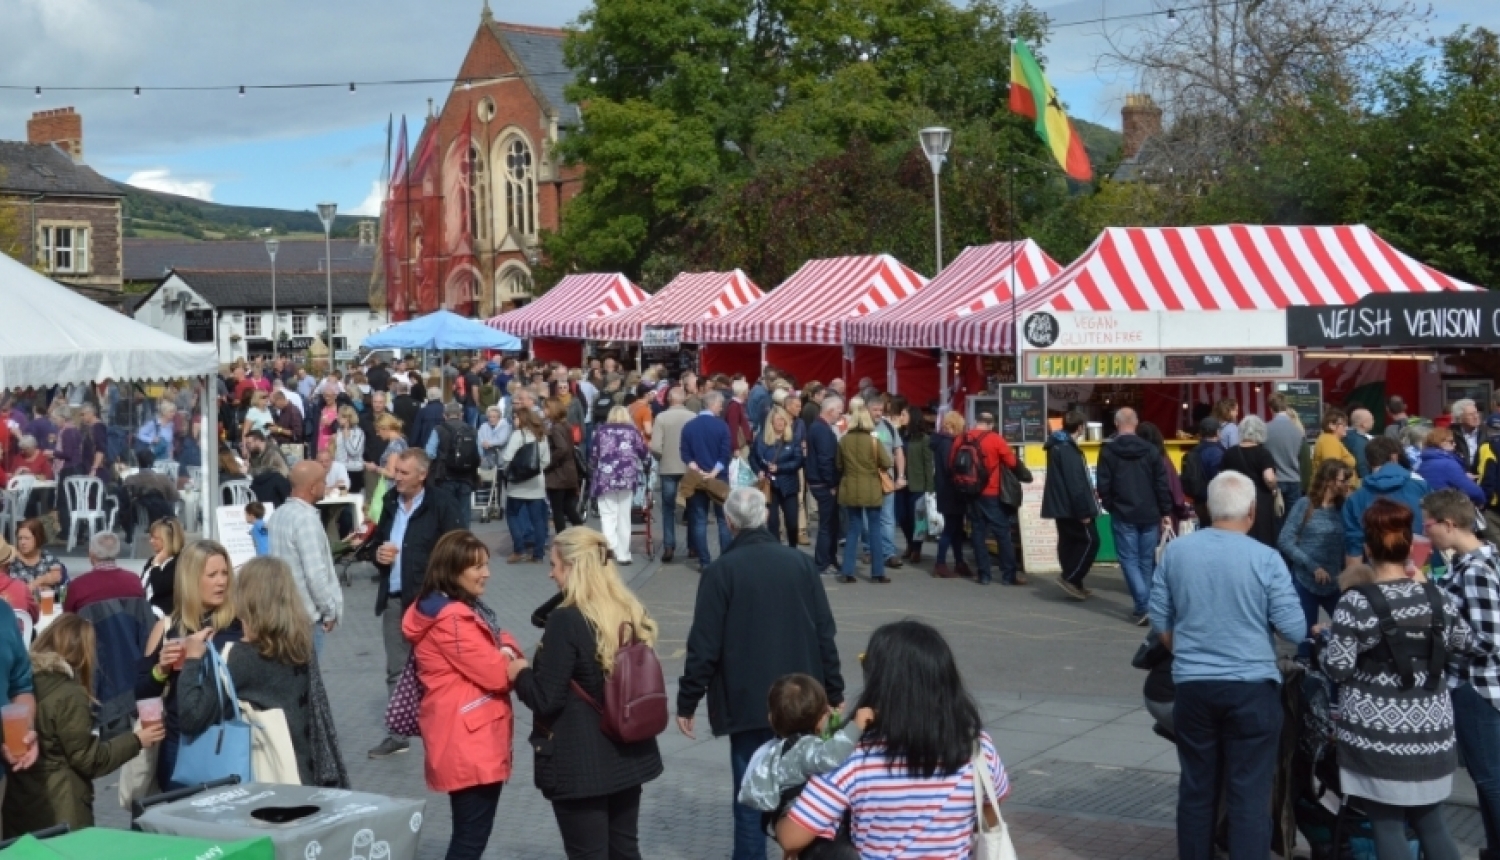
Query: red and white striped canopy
x,y
982,277
1229,267
690,298
566,310
813,305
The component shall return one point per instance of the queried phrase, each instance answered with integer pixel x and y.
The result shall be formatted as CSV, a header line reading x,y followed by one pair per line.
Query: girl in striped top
x,y
909,786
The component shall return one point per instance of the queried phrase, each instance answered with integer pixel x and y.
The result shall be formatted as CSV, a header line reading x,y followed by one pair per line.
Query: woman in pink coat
x,y
466,664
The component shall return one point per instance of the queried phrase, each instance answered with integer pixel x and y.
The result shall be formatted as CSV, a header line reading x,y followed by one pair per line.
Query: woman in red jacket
x,y
465,663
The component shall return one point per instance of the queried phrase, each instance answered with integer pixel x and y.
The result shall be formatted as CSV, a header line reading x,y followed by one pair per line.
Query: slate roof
x,y
539,51
150,259
37,168
293,289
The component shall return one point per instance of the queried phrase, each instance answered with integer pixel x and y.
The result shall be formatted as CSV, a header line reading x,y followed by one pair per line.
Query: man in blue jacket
x,y
1388,480
706,450
822,473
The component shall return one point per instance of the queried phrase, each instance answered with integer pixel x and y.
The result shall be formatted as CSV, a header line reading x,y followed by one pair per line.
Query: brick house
x,y
69,216
510,86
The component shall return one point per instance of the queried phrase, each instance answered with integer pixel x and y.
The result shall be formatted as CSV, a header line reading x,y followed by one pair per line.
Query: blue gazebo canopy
x,y
442,330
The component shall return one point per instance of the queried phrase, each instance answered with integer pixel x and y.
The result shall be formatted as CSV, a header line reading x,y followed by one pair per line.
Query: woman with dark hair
x,y
919,473
1312,541
526,501
909,786
1228,412
563,478
1180,507
466,663
1396,742
33,564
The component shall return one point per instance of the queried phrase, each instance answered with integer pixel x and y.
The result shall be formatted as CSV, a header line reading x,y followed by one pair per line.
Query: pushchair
x,y
643,507
486,498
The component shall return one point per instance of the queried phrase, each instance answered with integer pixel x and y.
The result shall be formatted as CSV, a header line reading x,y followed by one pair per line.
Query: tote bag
x,y
993,843
405,707
223,749
273,757
138,776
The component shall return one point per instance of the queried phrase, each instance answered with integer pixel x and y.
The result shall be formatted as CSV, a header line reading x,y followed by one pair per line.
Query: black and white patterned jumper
x,y
1395,746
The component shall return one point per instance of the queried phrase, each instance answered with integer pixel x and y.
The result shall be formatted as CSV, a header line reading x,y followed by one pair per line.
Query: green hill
x,y
156,214
1101,143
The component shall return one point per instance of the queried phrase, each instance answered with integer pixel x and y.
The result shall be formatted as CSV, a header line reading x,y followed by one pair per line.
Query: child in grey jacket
x,y
799,715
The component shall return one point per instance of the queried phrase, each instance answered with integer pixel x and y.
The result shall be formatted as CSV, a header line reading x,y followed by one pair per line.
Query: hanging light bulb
x,y
864,56
351,88
593,79
242,91
1172,18
1411,147
724,70
137,92
38,92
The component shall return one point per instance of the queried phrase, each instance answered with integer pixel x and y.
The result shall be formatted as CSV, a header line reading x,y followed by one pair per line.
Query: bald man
x,y
299,538
1361,422
1132,484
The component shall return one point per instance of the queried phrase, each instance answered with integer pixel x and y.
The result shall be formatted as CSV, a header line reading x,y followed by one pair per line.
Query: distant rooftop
x,y
151,259
41,168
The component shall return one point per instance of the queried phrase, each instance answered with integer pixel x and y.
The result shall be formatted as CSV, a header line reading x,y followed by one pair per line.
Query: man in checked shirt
x,y
1448,519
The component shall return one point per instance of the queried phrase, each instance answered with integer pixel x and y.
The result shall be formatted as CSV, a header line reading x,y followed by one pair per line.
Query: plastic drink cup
x,y
149,711
49,598
181,654
16,718
1421,550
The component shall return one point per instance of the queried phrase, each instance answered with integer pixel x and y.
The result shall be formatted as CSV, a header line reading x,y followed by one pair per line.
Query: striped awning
x,y
567,309
813,305
982,277
1229,267
689,299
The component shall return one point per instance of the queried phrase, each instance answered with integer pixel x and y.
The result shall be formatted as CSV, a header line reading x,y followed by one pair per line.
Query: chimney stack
x,y
62,127
1140,121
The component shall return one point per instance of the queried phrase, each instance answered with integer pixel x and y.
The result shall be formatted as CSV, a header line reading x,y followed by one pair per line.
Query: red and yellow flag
x,y
1032,96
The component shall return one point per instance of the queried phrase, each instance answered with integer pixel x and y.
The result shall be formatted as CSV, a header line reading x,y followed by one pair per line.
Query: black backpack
x,y
1405,649
602,405
462,456
1193,485
969,474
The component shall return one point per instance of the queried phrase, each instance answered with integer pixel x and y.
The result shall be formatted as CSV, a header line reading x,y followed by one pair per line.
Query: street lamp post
x,y
271,245
935,143
326,211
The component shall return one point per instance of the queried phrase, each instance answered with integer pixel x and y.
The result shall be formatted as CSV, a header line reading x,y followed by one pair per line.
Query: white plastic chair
x,y
239,493
17,495
195,477
25,625
166,467
85,498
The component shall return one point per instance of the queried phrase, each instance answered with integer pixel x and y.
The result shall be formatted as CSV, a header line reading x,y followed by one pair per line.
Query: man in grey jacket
x,y
1284,441
666,444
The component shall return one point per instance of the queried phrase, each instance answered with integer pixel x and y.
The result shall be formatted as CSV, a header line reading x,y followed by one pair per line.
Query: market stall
x,y
799,326
672,316
982,277
556,323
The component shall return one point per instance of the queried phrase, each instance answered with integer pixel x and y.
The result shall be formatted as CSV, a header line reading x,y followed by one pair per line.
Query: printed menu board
x,y
1023,414
1305,397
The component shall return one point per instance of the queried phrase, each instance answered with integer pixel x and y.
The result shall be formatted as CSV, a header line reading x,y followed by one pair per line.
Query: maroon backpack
x,y
635,693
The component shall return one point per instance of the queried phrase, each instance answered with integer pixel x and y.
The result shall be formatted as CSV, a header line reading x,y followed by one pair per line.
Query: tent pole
x,y
208,443
943,387
890,370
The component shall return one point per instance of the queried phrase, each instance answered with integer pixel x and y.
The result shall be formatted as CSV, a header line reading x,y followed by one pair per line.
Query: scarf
x,y
488,616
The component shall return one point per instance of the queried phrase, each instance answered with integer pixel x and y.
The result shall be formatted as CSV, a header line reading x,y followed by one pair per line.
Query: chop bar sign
x,y
1400,319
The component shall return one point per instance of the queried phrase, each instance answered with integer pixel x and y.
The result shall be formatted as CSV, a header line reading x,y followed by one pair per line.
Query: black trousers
x,y
783,506
601,828
564,504
826,544
473,819
1077,547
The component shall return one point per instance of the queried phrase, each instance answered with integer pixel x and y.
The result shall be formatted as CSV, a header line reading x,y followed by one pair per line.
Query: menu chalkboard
x,y
1305,397
1195,365
1023,414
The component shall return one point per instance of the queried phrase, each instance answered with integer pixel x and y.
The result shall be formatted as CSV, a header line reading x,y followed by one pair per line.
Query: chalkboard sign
x,y
1023,414
1199,365
198,326
1305,397
1477,390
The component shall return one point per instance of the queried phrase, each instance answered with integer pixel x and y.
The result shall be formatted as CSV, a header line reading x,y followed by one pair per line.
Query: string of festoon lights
x,y
1170,15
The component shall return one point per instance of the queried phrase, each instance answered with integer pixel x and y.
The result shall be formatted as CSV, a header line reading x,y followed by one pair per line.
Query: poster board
x,y
662,344
1038,536
1023,414
1478,390
1305,397
234,532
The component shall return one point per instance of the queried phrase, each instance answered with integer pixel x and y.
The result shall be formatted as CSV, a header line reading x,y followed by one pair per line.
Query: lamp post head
x,y
272,245
935,143
326,212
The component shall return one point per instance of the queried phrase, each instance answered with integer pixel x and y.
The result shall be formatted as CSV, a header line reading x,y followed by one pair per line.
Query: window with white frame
x,y
338,323
252,325
299,324
65,248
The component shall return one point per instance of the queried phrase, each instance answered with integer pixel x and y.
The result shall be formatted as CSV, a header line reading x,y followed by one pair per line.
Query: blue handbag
x,y
222,749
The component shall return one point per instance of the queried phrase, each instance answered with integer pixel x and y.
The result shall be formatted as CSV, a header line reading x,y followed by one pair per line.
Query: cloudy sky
x,y
289,149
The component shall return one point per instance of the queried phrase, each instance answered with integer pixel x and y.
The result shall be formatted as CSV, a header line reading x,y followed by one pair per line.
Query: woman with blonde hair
x,y
349,448
777,458
160,576
861,459
203,609
59,787
593,782
616,468
272,668
949,503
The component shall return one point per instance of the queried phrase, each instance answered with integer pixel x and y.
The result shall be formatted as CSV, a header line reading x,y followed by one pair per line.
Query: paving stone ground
x,y
1052,677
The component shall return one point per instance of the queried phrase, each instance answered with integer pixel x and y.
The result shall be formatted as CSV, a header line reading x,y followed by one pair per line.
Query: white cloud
x,y
161,179
370,206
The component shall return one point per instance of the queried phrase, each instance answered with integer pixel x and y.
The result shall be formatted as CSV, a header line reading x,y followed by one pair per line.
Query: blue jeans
x,y
528,526
317,639
987,519
1135,547
1477,725
473,819
669,510
471,416
463,494
697,512
887,530
1291,491
749,839
1227,733
861,522
1311,603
